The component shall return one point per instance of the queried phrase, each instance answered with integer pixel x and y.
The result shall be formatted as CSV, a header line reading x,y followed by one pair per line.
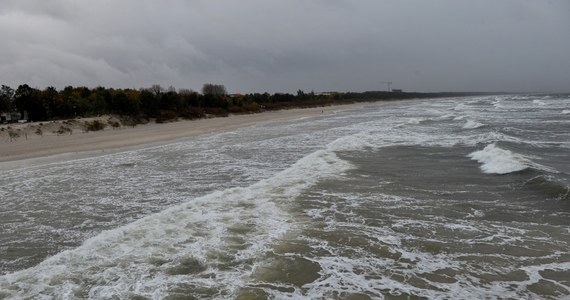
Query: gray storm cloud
x,y
256,46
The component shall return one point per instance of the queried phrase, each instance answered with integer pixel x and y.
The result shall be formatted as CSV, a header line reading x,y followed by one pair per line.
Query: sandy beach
x,y
31,148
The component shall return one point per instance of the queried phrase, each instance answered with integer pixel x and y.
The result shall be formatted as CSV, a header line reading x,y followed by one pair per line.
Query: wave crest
x,y
470,124
495,160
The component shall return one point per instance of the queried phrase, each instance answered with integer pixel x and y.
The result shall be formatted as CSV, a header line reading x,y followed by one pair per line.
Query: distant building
x,y
13,117
330,94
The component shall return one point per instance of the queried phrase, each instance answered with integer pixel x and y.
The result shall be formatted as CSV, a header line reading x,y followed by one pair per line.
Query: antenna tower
x,y
387,83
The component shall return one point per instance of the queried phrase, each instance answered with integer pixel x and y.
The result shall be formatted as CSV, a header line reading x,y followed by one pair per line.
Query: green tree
x,y
210,89
171,101
190,98
71,105
105,98
156,89
214,95
6,98
51,99
150,103
28,99
126,103
301,95
97,104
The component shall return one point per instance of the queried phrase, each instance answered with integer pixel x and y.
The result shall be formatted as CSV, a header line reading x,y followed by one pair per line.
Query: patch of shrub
x,y
217,111
114,124
95,125
133,121
166,116
63,130
13,135
246,109
253,107
192,112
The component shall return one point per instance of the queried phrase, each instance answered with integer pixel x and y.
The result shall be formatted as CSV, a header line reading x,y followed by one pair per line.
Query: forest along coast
x,y
38,123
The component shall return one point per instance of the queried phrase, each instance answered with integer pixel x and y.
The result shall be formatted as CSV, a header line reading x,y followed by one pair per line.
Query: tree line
x,y
165,104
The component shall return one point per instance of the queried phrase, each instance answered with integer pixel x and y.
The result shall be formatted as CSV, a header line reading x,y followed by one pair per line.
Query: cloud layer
x,y
282,46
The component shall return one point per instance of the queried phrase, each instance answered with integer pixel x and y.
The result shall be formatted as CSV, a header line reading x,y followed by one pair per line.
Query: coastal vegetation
x,y
168,104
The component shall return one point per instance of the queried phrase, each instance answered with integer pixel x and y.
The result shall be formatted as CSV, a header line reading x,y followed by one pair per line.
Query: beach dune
x,y
34,148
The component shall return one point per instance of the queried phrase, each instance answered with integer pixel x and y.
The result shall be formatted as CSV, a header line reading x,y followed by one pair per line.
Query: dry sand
x,y
31,148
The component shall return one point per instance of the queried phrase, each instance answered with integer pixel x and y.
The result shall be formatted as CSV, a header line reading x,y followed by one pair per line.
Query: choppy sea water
x,y
459,198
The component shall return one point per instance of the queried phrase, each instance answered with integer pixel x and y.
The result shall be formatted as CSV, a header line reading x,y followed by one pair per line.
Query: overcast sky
x,y
286,45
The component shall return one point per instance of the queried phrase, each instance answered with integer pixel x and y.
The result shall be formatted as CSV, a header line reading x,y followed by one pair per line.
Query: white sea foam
x,y
520,97
470,124
364,272
496,160
205,234
460,107
415,120
477,213
498,104
540,102
488,137
566,112
444,117
351,142
411,121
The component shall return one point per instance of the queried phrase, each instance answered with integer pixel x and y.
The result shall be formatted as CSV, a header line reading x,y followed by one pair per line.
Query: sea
x,y
453,198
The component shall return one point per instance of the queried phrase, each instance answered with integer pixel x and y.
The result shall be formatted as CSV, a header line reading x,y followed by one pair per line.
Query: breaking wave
x,y
470,124
496,160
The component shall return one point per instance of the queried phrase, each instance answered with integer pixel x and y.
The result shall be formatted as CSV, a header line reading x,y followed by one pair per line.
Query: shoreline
x,y
46,149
